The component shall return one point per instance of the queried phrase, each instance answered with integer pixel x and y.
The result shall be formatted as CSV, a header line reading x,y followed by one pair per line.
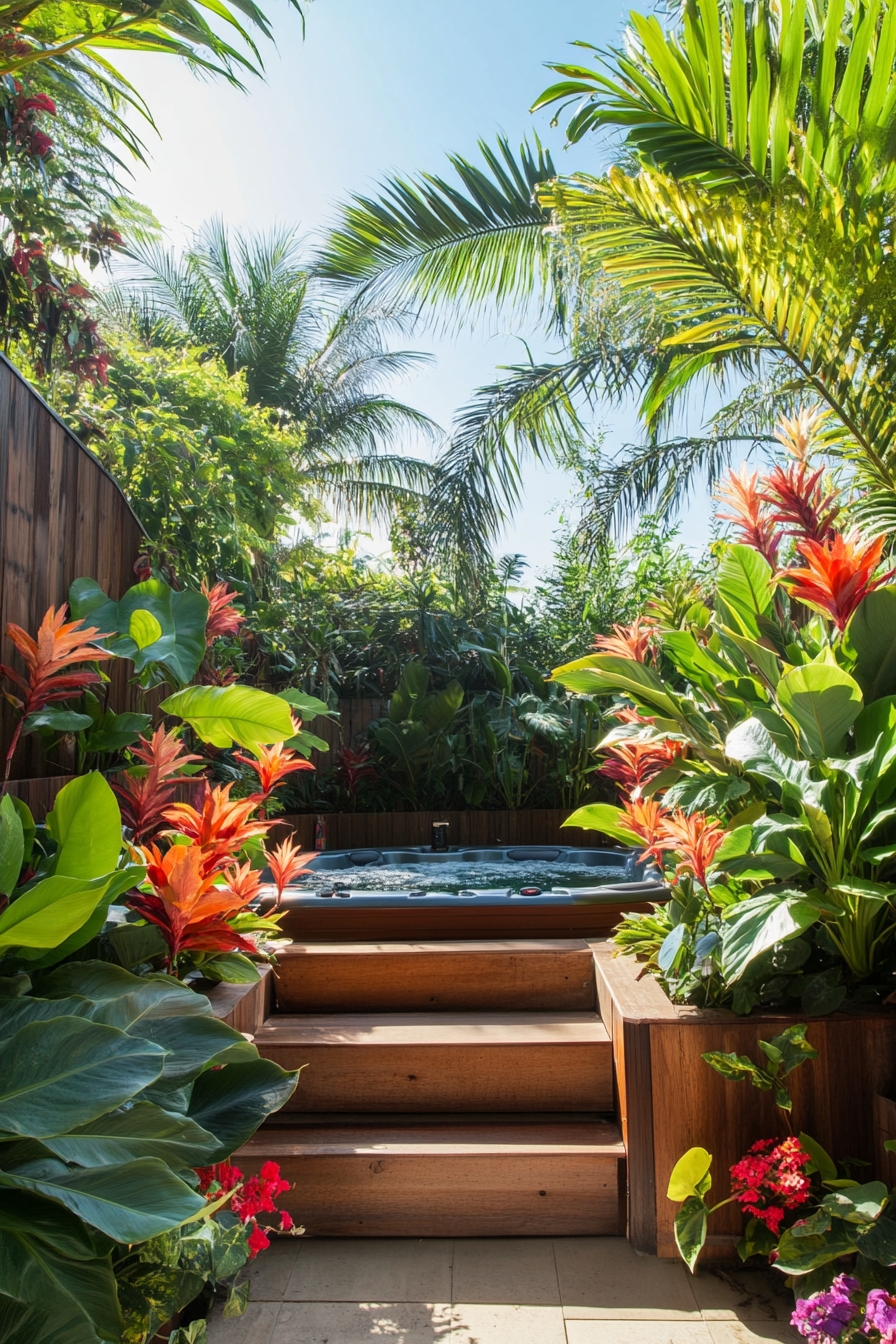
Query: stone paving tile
x,y
360,1323
506,1270
742,1295
636,1332
604,1279
752,1332
255,1326
269,1274
371,1270
479,1323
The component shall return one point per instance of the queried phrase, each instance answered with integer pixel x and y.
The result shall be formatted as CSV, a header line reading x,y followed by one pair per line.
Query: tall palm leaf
x,y
249,299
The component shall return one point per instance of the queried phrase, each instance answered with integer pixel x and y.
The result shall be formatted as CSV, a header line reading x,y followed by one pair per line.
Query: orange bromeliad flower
x,y
628,641
242,881
220,828
838,574
645,817
634,764
59,645
749,514
286,861
185,904
273,765
223,617
694,839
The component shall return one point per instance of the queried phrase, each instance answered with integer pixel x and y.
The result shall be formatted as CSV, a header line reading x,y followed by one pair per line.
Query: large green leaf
x,y
871,633
690,1175
607,673
12,846
746,588
306,706
86,824
152,624
438,711
35,1272
232,1102
605,818
129,1201
67,1071
224,715
753,746
755,925
690,1230
824,703
51,912
119,998
143,1130
800,1255
49,1323
191,1042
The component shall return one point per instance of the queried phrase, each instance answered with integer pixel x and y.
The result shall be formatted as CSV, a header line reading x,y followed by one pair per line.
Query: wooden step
x,y
342,922
473,1178
444,1061
396,977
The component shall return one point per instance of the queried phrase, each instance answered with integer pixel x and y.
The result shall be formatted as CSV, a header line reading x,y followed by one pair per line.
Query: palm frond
x,y
427,243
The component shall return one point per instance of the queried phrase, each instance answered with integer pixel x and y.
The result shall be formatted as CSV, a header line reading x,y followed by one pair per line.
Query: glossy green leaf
x,y
824,702
67,1071
823,1163
871,633
862,1204
35,1273
754,925
878,1242
129,1202
86,824
306,706
50,912
605,818
232,1102
745,584
800,1255
57,721
143,1130
224,715
144,628
690,1230
12,846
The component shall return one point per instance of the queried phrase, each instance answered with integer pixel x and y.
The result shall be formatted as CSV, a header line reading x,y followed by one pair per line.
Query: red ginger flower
x,y
628,641
838,574
633,765
144,798
749,514
223,617
695,839
771,1179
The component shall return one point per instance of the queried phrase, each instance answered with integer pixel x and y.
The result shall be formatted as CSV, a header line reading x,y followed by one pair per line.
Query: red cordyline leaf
x,y
223,617
799,502
143,798
693,839
633,765
838,574
628,641
749,514
355,766
187,906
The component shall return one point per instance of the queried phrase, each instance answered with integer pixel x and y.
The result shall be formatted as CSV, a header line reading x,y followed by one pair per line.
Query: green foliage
x,y
224,715
157,628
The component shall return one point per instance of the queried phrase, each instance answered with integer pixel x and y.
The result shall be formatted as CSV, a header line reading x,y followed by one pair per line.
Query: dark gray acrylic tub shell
x,y
349,877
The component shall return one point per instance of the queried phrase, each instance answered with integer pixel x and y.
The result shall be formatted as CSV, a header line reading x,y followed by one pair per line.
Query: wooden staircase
x,y
450,1089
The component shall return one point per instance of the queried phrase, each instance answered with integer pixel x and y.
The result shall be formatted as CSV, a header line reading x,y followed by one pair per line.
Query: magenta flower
x,y
880,1315
824,1316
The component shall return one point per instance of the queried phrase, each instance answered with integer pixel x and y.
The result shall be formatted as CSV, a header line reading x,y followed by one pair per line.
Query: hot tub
x,y
553,891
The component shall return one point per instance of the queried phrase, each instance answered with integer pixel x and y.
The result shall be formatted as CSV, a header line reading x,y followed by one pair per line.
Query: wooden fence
x,y
380,830
62,517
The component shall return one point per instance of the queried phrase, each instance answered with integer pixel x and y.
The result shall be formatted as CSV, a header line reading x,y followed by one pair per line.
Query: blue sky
x,y
377,86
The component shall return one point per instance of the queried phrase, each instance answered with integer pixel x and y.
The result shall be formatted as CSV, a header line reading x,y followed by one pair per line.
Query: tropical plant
x,y
117,1085
836,1216
784,735
690,259
252,301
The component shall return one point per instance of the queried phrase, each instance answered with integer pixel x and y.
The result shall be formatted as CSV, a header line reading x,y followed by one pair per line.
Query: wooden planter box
x,y
669,1099
243,1007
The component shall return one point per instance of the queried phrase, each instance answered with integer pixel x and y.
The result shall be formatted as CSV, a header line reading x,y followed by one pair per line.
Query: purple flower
x,y
824,1316
880,1314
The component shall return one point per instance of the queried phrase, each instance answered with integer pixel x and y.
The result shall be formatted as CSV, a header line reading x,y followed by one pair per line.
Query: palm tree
x,y
742,237
320,365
